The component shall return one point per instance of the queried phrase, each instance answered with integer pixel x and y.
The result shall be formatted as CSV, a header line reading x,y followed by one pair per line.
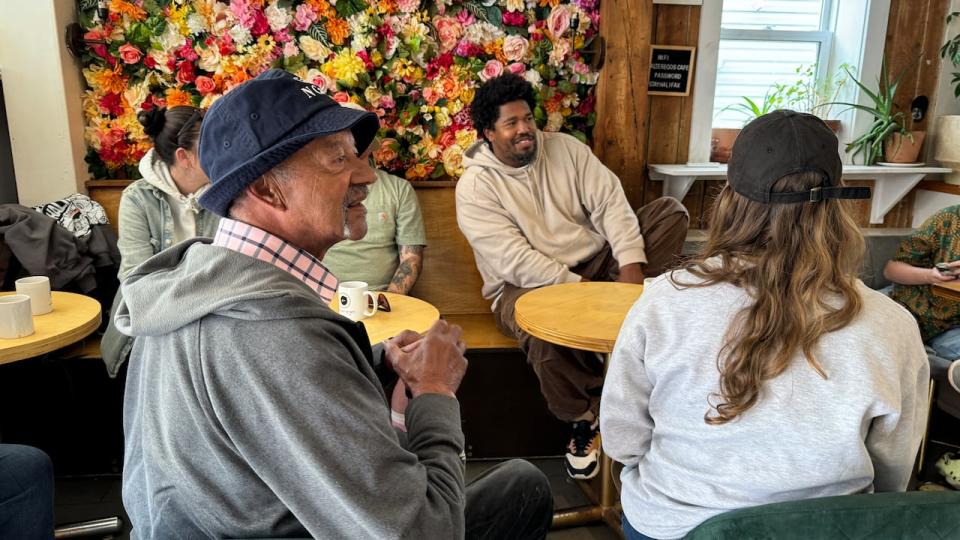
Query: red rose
x,y
150,62
112,103
185,73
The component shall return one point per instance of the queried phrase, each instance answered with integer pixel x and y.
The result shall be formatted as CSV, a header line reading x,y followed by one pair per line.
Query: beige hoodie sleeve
x,y
499,244
602,195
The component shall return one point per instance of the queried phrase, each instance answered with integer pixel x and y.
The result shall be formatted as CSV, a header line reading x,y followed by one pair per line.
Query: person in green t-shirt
x,y
390,256
914,268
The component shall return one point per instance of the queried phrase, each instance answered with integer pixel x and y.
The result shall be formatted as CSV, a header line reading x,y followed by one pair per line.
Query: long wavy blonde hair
x,y
799,263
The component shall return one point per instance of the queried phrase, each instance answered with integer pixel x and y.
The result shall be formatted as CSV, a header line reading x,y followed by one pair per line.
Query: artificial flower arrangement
x,y
415,63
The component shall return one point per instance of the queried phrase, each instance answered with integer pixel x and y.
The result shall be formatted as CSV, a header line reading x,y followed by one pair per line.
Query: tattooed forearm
x,y
411,262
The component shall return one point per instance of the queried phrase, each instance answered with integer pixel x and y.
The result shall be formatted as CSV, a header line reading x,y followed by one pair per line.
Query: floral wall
x,y
415,63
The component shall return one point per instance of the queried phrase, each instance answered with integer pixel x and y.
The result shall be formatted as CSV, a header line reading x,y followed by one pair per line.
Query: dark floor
x,y
93,497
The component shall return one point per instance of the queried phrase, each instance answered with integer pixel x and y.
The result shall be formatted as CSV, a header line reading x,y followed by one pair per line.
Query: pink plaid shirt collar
x,y
261,245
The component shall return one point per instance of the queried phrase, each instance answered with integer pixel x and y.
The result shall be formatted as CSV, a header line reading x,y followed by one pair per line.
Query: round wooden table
x,y
406,313
73,318
585,316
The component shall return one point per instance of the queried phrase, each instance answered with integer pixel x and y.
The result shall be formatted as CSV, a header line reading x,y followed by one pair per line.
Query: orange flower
x,y
551,105
387,7
126,8
322,7
111,80
177,97
551,3
338,30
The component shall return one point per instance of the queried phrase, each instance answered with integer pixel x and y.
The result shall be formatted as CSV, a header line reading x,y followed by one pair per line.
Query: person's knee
x,y
528,480
26,467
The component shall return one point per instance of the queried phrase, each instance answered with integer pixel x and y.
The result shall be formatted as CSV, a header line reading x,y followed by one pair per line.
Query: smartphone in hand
x,y
945,269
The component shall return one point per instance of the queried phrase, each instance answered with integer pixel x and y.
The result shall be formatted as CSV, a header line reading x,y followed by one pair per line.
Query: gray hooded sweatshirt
x,y
253,410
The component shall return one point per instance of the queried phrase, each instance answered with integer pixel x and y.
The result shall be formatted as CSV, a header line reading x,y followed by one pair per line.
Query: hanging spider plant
x,y
886,121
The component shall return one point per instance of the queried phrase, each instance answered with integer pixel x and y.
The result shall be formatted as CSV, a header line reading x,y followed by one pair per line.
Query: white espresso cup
x,y
38,289
15,318
352,300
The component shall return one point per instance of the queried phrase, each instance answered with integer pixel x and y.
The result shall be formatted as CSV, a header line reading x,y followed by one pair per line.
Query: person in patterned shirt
x,y
914,268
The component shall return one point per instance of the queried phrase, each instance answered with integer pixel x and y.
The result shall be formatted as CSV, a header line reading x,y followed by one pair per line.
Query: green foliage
x,y
807,94
886,120
774,99
951,50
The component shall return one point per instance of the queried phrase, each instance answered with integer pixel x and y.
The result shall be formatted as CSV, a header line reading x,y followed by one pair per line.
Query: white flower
x,y
482,33
209,59
533,77
516,5
314,49
554,121
171,38
361,42
135,94
161,59
196,23
240,35
277,16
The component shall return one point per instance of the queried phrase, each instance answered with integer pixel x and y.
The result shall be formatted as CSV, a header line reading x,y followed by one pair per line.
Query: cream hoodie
x,y
528,225
183,208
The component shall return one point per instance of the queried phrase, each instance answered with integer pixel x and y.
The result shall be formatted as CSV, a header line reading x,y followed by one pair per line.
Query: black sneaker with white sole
x,y
583,452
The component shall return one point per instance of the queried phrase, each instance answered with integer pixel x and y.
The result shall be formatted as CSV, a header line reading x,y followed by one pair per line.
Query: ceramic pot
x,y
721,143
900,149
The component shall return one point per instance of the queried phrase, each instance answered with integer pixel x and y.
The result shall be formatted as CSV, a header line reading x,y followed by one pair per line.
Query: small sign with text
x,y
671,70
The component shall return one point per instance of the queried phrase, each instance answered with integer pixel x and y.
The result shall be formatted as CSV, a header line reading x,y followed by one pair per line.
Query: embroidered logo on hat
x,y
262,122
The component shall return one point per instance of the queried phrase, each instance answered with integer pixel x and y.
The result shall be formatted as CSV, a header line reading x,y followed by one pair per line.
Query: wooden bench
x,y
450,280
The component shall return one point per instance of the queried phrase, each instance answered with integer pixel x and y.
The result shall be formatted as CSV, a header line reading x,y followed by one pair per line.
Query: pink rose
x,y
205,84
341,97
515,48
387,152
290,49
387,102
408,6
130,54
517,68
431,96
449,31
558,22
491,70
304,17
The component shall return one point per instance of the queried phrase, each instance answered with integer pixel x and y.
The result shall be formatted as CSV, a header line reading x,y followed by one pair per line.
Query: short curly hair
x,y
507,88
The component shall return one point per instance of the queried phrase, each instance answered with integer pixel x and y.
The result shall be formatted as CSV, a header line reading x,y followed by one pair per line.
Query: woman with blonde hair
x,y
764,370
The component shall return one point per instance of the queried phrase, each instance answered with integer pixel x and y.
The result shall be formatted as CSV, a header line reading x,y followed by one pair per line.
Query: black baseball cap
x,y
787,142
262,122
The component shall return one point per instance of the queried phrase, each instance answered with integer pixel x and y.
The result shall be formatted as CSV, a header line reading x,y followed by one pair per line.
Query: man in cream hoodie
x,y
538,209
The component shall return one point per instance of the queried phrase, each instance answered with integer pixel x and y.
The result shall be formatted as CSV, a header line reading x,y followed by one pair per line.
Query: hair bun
x,y
153,120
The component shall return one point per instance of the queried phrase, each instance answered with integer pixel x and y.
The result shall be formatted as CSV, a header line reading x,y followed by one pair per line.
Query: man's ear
x,y
267,190
488,134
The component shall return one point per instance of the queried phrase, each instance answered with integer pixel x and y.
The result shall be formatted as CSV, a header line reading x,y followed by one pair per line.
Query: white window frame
x,y
859,28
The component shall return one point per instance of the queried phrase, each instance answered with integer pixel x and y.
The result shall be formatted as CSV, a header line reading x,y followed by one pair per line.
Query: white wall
x,y
42,85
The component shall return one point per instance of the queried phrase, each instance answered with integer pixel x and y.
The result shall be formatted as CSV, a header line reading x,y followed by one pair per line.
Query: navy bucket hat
x,y
262,122
787,142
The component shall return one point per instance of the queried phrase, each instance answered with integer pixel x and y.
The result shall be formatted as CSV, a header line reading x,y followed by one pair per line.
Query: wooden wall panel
x,y
915,32
619,138
668,135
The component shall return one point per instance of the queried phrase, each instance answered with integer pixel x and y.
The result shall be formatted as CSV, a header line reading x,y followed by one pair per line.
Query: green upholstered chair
x,y
913,515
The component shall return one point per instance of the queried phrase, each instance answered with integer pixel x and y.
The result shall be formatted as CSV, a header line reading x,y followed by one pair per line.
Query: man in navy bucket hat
x,y
254,410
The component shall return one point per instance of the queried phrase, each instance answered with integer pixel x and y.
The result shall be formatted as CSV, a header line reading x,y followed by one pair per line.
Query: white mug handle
x,y
373,298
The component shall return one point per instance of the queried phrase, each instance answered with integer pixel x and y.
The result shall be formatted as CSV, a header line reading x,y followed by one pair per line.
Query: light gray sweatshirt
x,y
856,431
254,411
528,225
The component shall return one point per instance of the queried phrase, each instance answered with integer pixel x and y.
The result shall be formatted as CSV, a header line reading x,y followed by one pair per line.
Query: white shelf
x,y
891,183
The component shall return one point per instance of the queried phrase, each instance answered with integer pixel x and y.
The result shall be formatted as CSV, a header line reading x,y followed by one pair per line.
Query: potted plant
x,y
887,140
721,139
814,96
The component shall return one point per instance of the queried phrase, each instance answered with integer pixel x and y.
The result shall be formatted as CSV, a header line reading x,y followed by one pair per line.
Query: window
x,y
763,42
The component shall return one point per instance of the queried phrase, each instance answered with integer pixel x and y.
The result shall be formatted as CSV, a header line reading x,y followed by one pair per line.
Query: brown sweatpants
x,y
570,379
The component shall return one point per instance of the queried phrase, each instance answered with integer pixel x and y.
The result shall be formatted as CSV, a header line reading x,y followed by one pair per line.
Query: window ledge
x,y
891,183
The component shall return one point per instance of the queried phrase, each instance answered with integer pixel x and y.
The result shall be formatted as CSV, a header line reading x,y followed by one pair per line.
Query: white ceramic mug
x,y
15,318
38,289
352,300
